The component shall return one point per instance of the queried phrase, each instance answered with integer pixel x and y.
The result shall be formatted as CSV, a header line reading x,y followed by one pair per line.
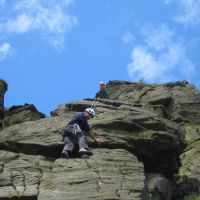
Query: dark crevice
x,y
32,149
186,187
13,185
24,182
22,198
2,168
41,172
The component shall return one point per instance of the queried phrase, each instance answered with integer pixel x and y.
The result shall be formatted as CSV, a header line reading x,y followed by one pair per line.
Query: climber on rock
x,y
103,93
75,134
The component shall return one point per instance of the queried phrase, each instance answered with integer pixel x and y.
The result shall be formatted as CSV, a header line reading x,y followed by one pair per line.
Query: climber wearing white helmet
x,y
90,111
75,134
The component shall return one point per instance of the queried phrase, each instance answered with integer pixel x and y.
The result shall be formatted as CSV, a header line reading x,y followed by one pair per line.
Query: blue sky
x,y
57,51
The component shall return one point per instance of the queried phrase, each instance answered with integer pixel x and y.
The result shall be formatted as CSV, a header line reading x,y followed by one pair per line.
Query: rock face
x,y
110,174
177,101
150,148
18,114
3,89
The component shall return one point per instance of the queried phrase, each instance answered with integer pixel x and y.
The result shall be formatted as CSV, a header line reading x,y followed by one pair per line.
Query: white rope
x,y
95,102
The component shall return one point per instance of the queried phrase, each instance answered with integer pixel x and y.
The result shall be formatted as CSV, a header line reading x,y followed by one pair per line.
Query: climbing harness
x,y
71,130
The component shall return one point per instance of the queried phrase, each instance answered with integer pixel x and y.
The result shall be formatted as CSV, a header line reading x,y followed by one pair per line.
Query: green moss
x,y
192,132
192,197
148,135
183,172
195,144
182,175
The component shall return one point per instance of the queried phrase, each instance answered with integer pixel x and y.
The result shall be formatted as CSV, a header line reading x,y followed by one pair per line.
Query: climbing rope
x,y
95,102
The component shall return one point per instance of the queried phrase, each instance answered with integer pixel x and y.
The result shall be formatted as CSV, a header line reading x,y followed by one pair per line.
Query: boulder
x,y
159,187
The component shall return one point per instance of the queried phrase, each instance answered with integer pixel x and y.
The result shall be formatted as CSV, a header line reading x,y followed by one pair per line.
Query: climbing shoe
x,y
65,155
88,153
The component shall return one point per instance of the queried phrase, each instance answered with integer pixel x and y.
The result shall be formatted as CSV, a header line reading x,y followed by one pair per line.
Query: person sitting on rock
x,y
75,134
102,94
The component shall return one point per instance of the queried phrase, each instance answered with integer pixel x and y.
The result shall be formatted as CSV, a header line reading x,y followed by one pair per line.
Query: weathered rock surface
x,y
135,129
150,135
177,101
18,114
159,187
110,174
3,89
189,172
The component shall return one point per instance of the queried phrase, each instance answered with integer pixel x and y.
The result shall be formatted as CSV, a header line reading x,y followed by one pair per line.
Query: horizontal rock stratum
x,y
150,148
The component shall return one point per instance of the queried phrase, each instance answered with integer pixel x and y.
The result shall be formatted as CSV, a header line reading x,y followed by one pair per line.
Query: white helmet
x,y
91,111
